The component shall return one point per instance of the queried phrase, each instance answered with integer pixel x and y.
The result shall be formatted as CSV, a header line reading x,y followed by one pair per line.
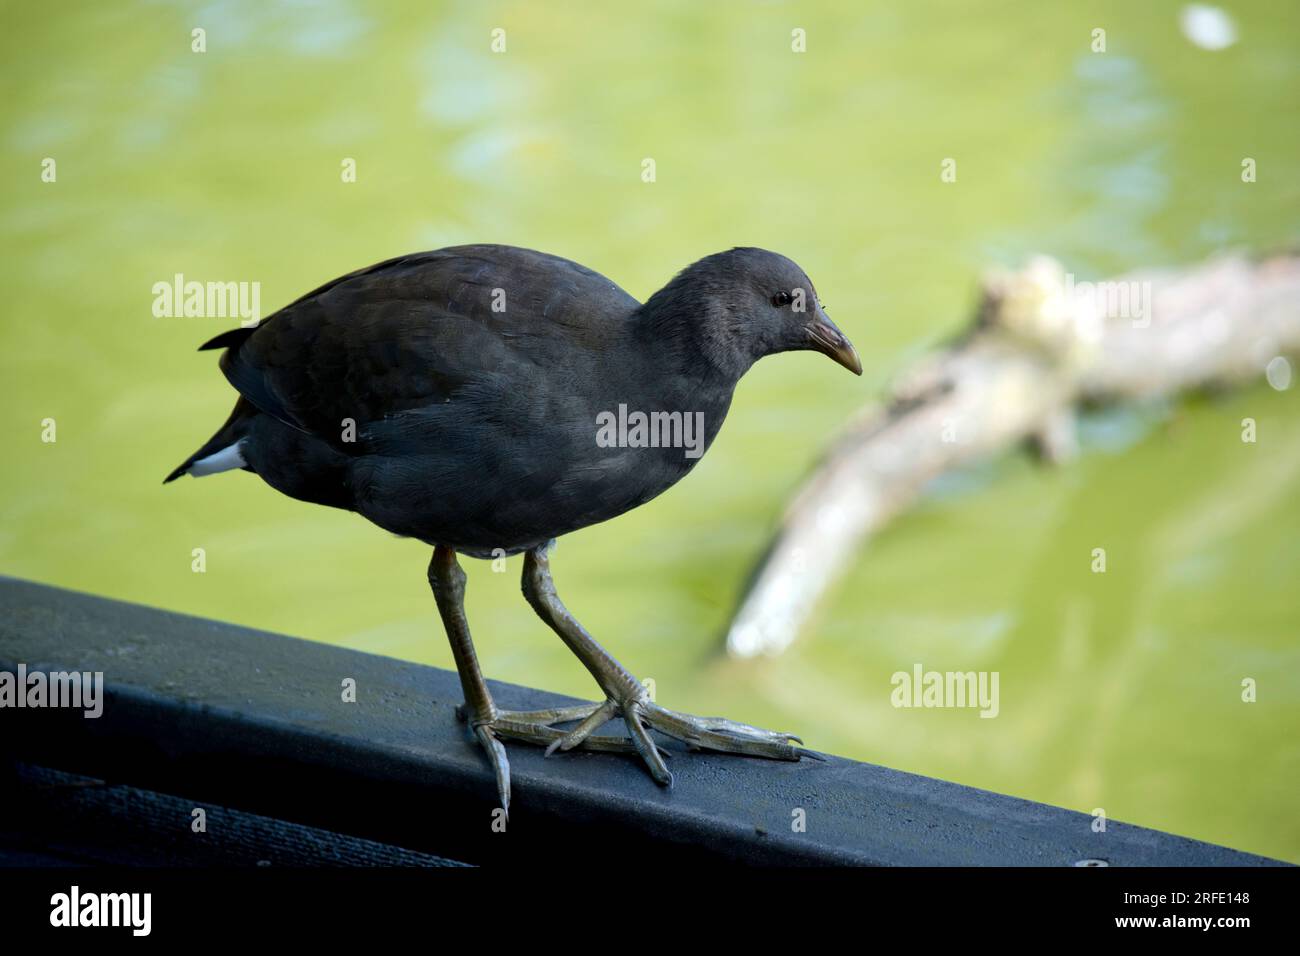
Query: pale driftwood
x,y
1039,347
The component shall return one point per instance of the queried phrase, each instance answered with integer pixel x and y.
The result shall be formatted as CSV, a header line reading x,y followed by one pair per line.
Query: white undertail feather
x,y
227,459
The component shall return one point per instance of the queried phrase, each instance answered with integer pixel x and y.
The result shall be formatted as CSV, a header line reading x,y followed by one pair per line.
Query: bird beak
x,y
825,337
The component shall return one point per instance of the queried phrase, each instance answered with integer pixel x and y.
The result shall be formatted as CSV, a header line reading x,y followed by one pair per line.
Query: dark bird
x,y
488,399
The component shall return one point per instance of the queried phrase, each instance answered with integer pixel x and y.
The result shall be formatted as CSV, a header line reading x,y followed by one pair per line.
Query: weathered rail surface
x,y
253,729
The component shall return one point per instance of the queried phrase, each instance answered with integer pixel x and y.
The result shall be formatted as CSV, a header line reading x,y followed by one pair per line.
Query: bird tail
x,y
221,452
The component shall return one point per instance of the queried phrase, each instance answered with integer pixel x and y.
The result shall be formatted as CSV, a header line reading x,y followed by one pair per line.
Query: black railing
x,y
253,730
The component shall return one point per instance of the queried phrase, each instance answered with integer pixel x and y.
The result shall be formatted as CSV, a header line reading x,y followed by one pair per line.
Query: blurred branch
x,y
1040,346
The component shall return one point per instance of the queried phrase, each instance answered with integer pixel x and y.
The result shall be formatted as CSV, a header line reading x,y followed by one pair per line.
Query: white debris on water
x,y
1208,27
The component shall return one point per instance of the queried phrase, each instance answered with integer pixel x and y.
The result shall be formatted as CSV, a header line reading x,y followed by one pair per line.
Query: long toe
x,y
496,752
538,727
636,718
722,735
593,721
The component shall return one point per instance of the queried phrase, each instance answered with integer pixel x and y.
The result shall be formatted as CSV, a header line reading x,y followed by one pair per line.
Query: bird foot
x,y
640,714
533,726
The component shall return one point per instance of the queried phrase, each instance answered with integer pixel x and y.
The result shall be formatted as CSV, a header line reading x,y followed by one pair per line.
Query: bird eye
x,y
781,298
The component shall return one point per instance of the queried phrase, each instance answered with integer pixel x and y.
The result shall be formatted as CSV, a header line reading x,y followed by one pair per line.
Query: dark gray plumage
x,y
454,396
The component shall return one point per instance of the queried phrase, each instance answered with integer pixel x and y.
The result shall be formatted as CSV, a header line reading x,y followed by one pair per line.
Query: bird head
x,y
749,303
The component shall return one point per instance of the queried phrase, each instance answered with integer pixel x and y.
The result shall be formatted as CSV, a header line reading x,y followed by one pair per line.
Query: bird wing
x,y
410,333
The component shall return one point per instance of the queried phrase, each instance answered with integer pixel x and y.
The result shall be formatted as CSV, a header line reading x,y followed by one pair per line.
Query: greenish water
x,y
1119,691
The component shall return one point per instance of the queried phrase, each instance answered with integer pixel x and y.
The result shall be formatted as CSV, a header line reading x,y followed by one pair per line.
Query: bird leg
x,y
486,721
626,697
